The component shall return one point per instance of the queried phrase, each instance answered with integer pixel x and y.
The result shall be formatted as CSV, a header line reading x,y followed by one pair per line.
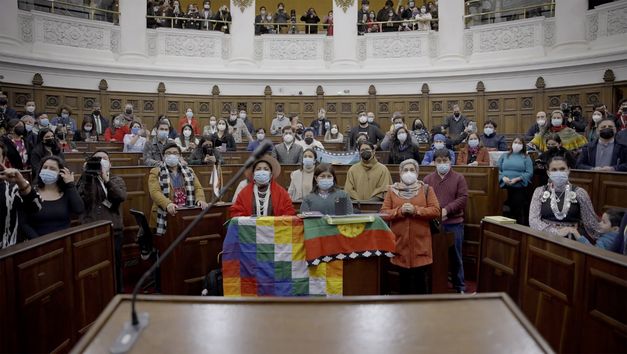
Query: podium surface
x,y
483,323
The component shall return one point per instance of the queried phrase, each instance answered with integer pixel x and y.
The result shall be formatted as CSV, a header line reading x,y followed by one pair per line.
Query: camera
x,y
93,166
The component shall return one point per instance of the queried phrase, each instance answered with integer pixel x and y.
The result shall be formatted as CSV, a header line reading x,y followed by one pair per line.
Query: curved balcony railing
x,y
90,12
475,14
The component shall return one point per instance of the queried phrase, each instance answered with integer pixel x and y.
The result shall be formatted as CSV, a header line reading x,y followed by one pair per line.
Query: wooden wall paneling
x,y
103,98
553,292
586,180
609,192
425,112
8,329
604,319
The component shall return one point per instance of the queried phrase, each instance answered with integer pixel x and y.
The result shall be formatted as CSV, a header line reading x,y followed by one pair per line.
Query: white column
x,y
9,30
345,35
570,25
132,30
451,31
242,31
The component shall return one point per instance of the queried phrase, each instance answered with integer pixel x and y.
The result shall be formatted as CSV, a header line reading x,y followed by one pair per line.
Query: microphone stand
x,y
131,330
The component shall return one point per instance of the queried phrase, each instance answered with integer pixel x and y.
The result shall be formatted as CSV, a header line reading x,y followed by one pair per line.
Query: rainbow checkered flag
x,y
265,256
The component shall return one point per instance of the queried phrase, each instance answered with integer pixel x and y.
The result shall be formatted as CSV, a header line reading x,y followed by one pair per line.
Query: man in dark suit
x,y
101,123
288,152
605,153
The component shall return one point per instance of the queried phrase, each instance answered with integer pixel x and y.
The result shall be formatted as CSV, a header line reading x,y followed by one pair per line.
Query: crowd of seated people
x,y
31,141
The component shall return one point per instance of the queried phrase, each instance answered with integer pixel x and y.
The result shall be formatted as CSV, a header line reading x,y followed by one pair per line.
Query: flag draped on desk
x,y
265,256
326,243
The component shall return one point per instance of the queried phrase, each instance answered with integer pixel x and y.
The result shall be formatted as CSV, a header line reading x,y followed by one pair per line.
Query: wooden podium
x,y
485,323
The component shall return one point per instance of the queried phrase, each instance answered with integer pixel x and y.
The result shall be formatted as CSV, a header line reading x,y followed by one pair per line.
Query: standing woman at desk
x,y
410,204
301,180
263,196
172,185
515,172
561,208
325,195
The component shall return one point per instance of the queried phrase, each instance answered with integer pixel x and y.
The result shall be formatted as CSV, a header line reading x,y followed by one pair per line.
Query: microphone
x,y
131,330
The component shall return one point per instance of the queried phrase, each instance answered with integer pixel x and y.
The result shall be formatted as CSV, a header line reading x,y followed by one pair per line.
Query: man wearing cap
x,y
439,143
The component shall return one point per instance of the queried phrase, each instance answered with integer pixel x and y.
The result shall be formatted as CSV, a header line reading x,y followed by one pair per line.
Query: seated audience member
x,y
29,108
419,132
515,173
309,142
592,130
537,126
128,116
368,179
288,152
135,141
609,238
263,196
299,129
64,118
559,208
102,194
86,133
621,116
190,120
278,123
410,205
326,196
65,137
153,151
452,191
15,145
301,180
473,153
333,135
321,125
172,186
604,154
101,123
187,141
491,140
439,143
570,139
172,132
237,128
243,116
47,146
116,132
212,128
398,121
554,148
31,136
260,134
60,199
19,199
402,147
227,143
374,134
205,154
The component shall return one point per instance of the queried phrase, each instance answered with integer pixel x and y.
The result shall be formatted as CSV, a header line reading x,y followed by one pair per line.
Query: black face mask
x,y
60,136
607,133
50,143
19,130
553,149
97,112
3,102
129,111
366,155
456,115
308,140
299,131
418,126
577,114
208,150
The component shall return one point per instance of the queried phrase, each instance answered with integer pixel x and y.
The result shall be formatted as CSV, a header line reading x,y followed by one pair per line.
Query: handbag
x,y
434,224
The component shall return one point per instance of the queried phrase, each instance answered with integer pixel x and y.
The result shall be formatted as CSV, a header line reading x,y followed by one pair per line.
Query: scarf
x,y
406,192
164,183
369,164
307,181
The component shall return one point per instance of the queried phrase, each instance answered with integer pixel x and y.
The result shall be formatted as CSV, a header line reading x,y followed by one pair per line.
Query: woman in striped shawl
x,y
172,185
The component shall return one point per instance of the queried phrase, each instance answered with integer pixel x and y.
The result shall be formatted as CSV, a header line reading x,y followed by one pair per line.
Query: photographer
x,y
577,120
102,195
205,154
223,20
280,16
311,19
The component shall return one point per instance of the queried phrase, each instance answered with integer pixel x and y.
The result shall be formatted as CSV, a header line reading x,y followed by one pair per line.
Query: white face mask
x,y
473,143
187,133
541,122
402,137
288,138
516,147
488,131
409,178
333,131
363,119
106,165
398,125
557,122
261,136
438,145
242,115
189,115
597,118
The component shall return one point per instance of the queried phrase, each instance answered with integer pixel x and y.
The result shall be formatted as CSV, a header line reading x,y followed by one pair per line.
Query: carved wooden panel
x,y
500,259
610,191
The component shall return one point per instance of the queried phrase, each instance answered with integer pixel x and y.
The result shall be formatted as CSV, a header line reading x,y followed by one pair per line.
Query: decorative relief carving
x,y
549,32
608,76
414,106
258,49
480,86
26,28
331,108
149,106
361,106
182,45
512,37
434,49
572,99
88,102
396,47
215,90
161,87
319,90
592,26
469,105
617,21
71,101
38,80
493,105
593,98
372,90
329,51
173,106
291,49
425,88
347,107
527,103
437,106
226,48
267,91
257,107
468,43
362,48
21,98
308,107
540,84
554,101
242,4
74,34
52,101
204,107
383,107
279,107
114,41
450,104
242,106
226,107
151,44
103,85
115,104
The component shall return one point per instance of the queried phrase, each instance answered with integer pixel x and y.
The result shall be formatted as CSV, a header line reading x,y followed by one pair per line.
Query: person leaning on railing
x,y
311,19
223,20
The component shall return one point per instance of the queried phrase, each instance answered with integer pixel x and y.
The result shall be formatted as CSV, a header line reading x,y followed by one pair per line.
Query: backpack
x,y
212,282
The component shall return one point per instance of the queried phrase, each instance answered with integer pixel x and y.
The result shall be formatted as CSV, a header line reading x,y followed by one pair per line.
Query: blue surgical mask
x,y
29,127
162,134
325,183
559,178
443,168
473,143
65,115
49,176
308,161
262,177
44,122
438,145
171,160
135,131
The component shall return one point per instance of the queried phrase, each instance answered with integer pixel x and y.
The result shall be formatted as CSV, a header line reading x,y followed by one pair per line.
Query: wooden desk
x,y
484,323
54,287
574,294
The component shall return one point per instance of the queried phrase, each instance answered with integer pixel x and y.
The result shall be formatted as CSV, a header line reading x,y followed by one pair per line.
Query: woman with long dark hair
x,y
47,145
326,197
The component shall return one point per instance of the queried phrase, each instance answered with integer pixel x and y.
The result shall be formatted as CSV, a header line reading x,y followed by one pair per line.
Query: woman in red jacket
x,y
115,133
263,196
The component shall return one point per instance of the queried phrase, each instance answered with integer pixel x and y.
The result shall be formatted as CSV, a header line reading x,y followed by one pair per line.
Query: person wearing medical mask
x,y
409,205
368,179
227,143
212,128
172,186
263,196
60,199
536,127
374,134
30,107
279,122
47,145
402,147
301,180
102,194
128,115
571,140
308,141
206,14
189,119
260,135
322,124
592,133
473,153
115,133
605,153
288,152
560,207
187,141
371,120
135,141
153,152
490,139
333,135
64,118
326,197
515,173
398,122
439,143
